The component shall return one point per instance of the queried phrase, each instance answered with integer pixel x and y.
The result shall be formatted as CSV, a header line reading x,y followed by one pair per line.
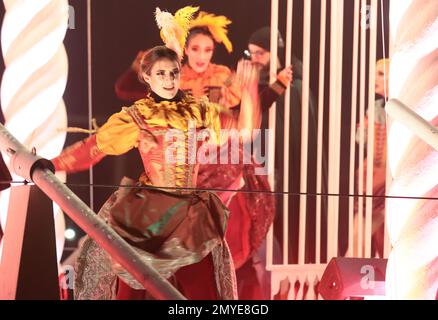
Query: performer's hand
x,y
286,76
225,97
247,75
136,63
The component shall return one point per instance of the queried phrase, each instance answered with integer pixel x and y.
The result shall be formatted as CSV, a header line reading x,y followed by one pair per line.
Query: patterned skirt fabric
x,y
170,230
252,207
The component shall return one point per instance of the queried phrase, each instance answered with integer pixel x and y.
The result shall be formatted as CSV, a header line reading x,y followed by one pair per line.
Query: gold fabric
x,y
167,237
120,133
184,243
216,82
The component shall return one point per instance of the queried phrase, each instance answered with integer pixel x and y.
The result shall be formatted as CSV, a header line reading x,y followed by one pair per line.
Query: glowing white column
x,y
272,112
304,132
413,224
287,100
34,81
354,68
336,30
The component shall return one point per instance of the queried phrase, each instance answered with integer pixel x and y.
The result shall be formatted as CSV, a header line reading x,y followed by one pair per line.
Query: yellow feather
x,y
174,29
183,17
217,25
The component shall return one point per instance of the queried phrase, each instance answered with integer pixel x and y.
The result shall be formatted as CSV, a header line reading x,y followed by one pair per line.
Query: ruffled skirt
x,y
171,230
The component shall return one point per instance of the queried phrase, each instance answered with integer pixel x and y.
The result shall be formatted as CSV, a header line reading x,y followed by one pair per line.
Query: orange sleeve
x,y
79,156
231,92
117,136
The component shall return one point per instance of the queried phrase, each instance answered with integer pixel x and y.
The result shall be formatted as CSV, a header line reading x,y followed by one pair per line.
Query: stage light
x,y
354,279
70,234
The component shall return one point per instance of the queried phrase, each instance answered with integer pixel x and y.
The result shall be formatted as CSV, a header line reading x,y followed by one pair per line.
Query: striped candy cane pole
x,y
412,271
34,81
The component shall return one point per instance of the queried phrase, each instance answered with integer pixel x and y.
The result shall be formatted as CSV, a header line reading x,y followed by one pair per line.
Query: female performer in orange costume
x,y
179,232
251,213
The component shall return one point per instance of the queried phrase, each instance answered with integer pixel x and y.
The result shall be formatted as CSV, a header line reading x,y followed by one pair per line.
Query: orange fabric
x,y
121,133
217,78
196,281
202,286
79,156
238,230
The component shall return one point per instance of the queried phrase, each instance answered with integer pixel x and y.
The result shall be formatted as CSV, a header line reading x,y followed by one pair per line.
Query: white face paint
x,y
164,78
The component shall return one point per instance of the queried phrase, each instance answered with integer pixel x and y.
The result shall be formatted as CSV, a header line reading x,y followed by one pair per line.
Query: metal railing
x,y
40,171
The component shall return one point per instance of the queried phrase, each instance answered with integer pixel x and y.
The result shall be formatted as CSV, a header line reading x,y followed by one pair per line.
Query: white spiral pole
x,y
412,271
34,82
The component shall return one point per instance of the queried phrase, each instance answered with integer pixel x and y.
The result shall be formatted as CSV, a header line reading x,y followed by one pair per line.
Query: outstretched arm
x,y
117,136
78,157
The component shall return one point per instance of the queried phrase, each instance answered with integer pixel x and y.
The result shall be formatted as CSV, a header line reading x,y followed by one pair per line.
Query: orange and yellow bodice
x,y
164,134
216,82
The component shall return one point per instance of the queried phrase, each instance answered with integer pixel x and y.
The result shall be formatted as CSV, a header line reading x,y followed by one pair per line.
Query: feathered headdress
x,y
174,29
217,25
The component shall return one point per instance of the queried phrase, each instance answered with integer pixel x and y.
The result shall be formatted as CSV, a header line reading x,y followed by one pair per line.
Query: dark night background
x,y
121,28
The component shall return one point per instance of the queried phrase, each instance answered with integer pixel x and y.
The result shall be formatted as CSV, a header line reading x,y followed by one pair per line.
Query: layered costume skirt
x,y
180,234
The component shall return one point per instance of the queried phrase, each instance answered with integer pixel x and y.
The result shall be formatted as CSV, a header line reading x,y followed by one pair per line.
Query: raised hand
x,y
247,75
285,76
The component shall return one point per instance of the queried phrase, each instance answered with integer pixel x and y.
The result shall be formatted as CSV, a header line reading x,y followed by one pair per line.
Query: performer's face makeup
x,y
259,55
199,52
164,78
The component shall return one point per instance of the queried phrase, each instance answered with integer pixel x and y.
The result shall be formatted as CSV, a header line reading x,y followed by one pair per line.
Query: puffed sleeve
x,y
118,135
80,156
212,120
222,121
231,93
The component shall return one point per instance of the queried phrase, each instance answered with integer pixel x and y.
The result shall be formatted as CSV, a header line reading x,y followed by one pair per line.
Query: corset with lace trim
x,y
166,161
168,139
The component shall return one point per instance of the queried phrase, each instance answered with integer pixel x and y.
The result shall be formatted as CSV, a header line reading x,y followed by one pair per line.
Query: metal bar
x,y
387,241
272,112
417,124
339,55
319,151
353,129
371,126
90,94
359,252
304,131
34,168
334,125
288,55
